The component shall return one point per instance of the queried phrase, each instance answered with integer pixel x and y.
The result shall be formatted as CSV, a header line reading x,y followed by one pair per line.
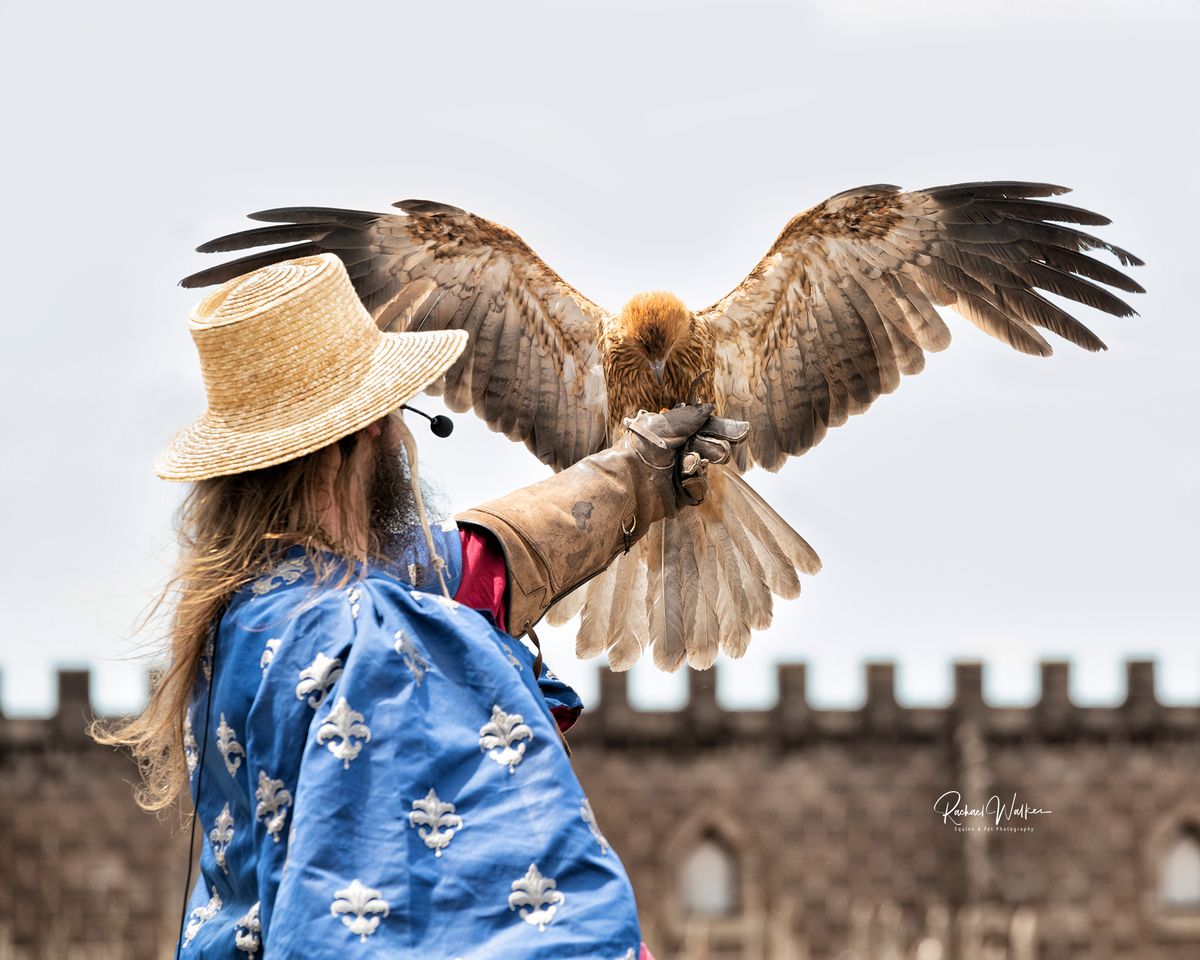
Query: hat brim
x,y
401,366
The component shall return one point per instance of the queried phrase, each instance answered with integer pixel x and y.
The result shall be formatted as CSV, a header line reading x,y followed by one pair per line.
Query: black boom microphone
x,y
441,426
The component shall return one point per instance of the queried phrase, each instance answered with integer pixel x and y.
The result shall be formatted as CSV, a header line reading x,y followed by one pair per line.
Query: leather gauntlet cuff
x,y
562,531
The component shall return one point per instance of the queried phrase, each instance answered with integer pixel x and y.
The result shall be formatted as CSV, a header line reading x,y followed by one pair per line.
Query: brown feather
x,y
490,283
837,312
856,277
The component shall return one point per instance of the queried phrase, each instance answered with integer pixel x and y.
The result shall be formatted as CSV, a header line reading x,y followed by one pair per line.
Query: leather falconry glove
x,y
712,443
562,531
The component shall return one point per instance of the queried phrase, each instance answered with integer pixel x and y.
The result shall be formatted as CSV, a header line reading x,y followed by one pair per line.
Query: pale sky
x,y
996,507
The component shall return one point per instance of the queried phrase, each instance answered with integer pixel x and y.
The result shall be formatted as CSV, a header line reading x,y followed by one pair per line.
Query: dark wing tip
x,y
258,237
426,207
1001,188
336,215
235,268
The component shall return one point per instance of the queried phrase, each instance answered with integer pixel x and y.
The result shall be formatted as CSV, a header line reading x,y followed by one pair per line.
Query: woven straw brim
x,y
401,366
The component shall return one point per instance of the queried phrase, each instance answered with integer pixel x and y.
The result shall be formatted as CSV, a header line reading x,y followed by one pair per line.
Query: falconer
x,y
374,756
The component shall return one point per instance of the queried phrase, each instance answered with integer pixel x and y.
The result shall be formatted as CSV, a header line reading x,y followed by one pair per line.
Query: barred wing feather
x,y
531,369
843,304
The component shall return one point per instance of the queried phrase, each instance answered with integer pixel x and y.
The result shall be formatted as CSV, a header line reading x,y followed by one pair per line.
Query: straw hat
x,y
292,361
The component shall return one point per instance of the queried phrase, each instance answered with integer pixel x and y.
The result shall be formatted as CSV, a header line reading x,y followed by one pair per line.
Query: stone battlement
x,y
792,720
823,824
1053,716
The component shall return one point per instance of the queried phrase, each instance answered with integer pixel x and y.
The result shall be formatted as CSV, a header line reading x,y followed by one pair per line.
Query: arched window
x,y
709,880
1179,871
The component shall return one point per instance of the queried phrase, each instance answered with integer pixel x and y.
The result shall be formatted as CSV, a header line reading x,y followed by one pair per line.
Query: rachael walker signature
x,y
951,807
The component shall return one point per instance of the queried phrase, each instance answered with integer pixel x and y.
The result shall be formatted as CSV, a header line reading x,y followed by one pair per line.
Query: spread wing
x,y
843,302
531,368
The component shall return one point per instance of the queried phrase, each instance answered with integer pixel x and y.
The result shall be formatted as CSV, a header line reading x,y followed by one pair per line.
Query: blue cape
x,y
382,776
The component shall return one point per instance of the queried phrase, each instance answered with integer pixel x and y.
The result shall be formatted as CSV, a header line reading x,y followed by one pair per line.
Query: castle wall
x,y
829,816
84,872
826,818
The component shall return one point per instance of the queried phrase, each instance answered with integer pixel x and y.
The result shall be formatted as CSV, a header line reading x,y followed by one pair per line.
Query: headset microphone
x,y
441,426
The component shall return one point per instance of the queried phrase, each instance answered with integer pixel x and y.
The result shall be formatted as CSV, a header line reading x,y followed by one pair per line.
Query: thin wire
x,y
410,449
187,886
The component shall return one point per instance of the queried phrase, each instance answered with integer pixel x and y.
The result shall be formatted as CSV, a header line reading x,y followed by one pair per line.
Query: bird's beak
x,y
657,366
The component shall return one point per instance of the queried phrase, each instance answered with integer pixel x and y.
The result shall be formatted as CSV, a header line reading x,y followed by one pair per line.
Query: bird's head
x,y
650,327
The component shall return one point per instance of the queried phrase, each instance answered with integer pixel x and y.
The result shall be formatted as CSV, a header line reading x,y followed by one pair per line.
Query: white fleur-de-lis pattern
x,y
450,606
318,678
360,907
417,665
501,738
269,650
287,571
535,898
221,836
191,751
273,802
201,915
232,752
247,932
436,821
350,732
589,817
344,732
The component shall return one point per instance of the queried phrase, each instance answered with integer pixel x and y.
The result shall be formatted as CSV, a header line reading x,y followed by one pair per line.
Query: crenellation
x,y
792,721
1141,709
968,689
1140,683
1056,681
704,718
882,714
74,704
614,690
613,715
793,715
1057,716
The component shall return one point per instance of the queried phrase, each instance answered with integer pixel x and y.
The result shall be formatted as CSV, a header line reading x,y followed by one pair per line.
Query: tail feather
x,y
795,547
627,633
567,607
751,573
696,585
667,628
777,565
733,605
698,592
729,601
592,638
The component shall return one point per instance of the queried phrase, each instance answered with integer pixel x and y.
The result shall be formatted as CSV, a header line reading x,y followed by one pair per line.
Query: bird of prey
x,y
842,304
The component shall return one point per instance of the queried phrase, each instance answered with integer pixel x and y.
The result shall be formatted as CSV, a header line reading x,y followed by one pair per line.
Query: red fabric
x,y
484,580
646,955
484,575
565,717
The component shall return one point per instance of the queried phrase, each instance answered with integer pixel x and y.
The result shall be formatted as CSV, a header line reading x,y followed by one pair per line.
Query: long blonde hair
x,y
231,529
